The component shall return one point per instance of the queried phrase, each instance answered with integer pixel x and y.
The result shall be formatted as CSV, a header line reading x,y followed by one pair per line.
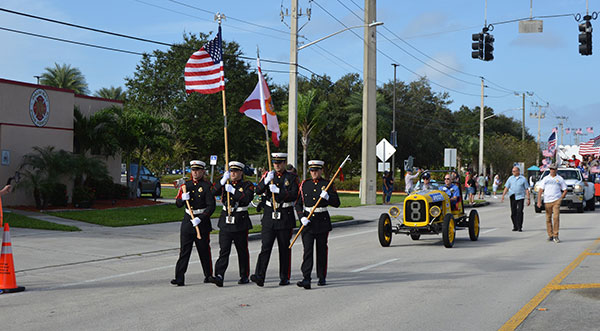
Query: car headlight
x,y
435,211
578,188
394,211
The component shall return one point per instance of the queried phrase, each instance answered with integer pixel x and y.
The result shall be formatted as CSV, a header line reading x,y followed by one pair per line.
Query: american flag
x,y
554,129
567,130
590,130
552,143
204,70
592,146
578,131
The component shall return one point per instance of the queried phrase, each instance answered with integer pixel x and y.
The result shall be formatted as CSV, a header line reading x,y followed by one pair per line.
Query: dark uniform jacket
x,y
287,183
201,197
244,193
310,190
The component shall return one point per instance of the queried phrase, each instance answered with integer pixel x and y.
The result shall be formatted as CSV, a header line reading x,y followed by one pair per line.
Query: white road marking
x,y
488,230
375,265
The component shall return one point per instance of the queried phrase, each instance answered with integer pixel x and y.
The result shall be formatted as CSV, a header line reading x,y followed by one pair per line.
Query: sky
x,y
427,38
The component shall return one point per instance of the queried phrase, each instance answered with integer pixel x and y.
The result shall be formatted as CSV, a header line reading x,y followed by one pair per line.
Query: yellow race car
x,y
428,211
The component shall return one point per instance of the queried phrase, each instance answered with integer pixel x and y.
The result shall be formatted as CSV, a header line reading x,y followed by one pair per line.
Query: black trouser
x,y
187,238
240,239
268,237
516,212
308,240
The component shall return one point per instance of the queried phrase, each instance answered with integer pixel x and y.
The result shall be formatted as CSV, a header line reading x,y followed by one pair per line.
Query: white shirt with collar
x,y
553,187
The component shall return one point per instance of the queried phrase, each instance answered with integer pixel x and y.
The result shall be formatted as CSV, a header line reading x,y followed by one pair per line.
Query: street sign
x,y
450,157
213,160
384,150
381,168
531,26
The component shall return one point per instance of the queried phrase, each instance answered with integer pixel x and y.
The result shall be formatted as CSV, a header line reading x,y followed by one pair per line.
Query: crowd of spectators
x,y
589,166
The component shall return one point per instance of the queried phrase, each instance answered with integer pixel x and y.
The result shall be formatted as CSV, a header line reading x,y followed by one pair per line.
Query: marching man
x,y
234,227
278,222
318,226
202,203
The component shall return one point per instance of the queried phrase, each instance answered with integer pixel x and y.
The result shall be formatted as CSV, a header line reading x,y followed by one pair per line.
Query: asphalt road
x,y
118,279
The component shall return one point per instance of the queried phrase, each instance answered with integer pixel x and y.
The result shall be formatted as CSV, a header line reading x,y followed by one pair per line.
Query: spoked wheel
x,y
473,225
448,231
384,230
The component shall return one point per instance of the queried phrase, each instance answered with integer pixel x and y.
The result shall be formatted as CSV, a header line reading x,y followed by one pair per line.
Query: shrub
x,y
56,194
83,197
120,191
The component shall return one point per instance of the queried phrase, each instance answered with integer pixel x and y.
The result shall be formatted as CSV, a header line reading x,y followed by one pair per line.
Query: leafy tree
x,y
65,76
41,170
310,121
114,93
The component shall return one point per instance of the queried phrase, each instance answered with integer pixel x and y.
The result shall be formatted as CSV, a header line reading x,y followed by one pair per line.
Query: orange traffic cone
x,y
8,282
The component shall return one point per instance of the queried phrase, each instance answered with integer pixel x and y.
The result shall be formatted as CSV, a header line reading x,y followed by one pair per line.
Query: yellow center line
x,y
522,314
593,253
574,286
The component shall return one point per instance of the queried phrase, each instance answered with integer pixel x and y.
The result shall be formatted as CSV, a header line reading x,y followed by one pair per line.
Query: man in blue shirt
x,y
517,188
451,190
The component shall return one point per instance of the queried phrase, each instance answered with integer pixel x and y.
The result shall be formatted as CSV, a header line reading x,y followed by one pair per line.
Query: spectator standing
x,y
467,178
518,188
408,180
471,190
495,185
481,185
388,187
554,189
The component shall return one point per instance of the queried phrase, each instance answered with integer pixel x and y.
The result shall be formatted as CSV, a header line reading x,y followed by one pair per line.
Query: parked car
x,y
149,183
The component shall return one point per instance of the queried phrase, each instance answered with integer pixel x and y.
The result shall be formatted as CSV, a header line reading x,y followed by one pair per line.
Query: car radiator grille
x,y
415,211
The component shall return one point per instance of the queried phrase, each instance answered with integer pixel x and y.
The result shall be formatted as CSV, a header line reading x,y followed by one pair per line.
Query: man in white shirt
x,y
554,189
408,180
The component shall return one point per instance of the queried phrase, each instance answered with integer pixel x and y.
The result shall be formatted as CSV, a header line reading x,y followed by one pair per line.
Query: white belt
x,y
280,205
238,209
317,210
196,211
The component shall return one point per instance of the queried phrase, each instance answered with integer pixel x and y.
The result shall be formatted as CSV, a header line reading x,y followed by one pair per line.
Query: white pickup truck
x,y
580,193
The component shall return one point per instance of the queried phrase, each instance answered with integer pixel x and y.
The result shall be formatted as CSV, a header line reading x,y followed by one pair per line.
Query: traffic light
x,y
488,50
585,38
477,46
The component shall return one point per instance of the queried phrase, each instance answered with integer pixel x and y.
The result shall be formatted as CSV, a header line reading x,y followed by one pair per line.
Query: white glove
x,y
224,178
269,177
195,221
229,188
185,196
274,188
304,221
324,195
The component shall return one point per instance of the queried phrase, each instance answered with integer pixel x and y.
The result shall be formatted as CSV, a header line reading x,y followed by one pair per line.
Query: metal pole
x,y
369,120
481,131
539,116
523,126
394,134
293,88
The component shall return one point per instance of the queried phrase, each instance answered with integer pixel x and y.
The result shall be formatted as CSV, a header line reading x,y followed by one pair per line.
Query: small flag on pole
x,y
578,131
567,130
590,130
552,143
204,70
259,107
554,129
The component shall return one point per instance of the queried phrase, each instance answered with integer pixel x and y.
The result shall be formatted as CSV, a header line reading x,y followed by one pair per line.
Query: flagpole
x,y
219,17
263,110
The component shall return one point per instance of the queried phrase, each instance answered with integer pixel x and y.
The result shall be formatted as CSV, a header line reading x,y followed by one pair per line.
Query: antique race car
x,y
428,212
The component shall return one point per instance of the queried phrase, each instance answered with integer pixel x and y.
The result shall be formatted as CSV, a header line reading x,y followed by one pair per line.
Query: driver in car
x,y
427,181
451,190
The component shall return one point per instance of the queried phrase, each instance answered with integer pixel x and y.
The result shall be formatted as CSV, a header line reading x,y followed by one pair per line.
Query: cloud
x,y
426,22
440,73
548,40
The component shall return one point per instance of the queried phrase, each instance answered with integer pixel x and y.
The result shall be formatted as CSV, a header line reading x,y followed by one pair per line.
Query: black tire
x,y
156,193
591,204
474,225
138,192
580,208
384,229
448,231
415,236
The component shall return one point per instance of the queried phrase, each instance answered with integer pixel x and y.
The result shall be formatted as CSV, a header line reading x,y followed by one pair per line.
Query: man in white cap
x,y
318,226
277,223
202,202
235,228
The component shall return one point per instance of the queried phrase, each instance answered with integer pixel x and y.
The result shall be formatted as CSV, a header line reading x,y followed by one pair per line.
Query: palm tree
x,y
93,133
114,93
65,76
42,170
310,120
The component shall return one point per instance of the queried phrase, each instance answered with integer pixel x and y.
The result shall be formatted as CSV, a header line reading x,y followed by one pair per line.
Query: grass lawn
x,y
125,216
352,199
20,221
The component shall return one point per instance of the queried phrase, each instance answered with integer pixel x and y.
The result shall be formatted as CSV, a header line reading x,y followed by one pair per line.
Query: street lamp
x,y
293,90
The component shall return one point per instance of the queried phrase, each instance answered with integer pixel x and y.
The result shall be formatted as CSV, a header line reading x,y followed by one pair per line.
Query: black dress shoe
x,y
520,230
258,280
176,282
243,280
219,281
209,279
322,282
304,283
515,229
284,282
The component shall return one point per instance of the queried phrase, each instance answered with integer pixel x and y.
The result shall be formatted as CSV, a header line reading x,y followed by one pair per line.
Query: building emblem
x,y
39,107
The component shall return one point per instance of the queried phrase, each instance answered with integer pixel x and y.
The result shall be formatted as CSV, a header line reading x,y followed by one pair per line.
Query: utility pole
x,y
523,124
561,120
293,88
368,182
394,134
480,170
539,117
